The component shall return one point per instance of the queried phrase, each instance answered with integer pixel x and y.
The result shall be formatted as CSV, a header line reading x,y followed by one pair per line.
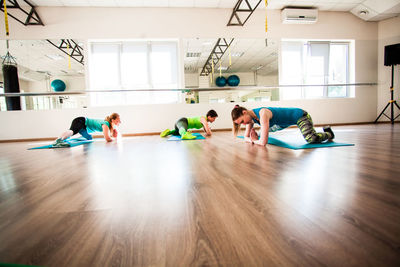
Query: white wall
x,y
126,23
191,80
72,83
268,80
389,33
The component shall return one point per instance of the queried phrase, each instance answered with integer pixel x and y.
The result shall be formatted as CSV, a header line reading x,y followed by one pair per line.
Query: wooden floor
x,y
215,202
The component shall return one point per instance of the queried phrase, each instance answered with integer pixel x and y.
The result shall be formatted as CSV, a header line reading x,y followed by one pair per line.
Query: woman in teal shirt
x,y
85,126
273,119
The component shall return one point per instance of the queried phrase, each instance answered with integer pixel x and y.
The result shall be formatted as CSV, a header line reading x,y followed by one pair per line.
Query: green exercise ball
x,y
220,81
233,80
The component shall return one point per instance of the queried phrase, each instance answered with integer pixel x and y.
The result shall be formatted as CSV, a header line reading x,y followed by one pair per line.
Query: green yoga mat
x,y
298,142
178,137
73,142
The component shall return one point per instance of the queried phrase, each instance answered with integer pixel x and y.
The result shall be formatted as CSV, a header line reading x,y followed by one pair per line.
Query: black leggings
x,y
78,124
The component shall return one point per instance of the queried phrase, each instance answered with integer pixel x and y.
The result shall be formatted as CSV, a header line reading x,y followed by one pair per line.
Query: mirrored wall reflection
x,y
42,66
227,62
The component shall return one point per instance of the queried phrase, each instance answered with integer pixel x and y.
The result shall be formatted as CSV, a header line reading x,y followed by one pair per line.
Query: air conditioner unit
x,y
299,16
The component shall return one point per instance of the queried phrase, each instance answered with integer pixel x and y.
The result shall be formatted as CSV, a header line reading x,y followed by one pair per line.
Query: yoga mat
x,y
73,142
178,137
298,142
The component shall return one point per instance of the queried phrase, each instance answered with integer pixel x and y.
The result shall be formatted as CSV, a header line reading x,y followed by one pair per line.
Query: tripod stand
x,y
391,103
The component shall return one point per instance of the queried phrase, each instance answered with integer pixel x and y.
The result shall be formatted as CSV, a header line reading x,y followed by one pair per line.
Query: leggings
x,y
78,125
181,127
306,126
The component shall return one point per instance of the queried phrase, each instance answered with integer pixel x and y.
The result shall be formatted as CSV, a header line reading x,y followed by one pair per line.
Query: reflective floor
x,y
217,202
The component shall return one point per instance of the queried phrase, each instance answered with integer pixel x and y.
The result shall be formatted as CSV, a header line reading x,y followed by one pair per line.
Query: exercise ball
x,y
58,86
233,80
220,81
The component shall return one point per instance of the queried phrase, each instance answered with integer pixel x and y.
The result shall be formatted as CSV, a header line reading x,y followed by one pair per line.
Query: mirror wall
x,y
253,62
39,63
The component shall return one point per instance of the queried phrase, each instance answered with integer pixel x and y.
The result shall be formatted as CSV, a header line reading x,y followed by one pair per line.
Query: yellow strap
x,y
220,68
266,20
6,18
69,57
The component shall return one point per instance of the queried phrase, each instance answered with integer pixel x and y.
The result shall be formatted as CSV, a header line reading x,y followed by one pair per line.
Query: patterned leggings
x,y
306,126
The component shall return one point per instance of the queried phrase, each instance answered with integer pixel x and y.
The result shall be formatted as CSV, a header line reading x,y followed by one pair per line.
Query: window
x,y
315,63
3,101
217,100
133,65
42,102
3,105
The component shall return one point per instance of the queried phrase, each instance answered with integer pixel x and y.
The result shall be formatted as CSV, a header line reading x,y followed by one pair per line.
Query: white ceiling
x,y
376,9
32,56
35,59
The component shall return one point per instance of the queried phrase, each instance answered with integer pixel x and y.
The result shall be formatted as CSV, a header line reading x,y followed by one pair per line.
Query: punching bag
x,y
11,85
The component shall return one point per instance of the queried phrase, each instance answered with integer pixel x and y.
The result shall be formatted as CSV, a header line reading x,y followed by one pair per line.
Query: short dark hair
x,y
212,113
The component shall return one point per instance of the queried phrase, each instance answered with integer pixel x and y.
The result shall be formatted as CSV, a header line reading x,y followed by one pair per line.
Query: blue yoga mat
x,y
73,142
298,142
178,137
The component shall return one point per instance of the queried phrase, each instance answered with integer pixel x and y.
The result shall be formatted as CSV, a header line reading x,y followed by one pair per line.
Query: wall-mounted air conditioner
x,y
299,16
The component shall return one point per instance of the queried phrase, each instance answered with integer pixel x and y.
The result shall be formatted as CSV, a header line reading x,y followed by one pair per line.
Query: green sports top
x,y
194,123
93,125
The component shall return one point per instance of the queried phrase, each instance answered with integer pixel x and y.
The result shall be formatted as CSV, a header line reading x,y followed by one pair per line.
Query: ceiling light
x,y
55,57
257,67
237,54
194,54
363,12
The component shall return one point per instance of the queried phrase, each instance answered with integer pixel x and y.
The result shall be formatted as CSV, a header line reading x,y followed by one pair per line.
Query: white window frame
x,y
123,96
304,59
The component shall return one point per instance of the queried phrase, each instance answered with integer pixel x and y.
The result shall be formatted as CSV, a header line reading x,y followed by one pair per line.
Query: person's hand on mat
x,y
253,135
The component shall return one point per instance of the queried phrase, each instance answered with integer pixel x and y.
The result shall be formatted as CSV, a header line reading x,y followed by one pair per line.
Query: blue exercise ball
x,y
58,86
220,81
233,80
